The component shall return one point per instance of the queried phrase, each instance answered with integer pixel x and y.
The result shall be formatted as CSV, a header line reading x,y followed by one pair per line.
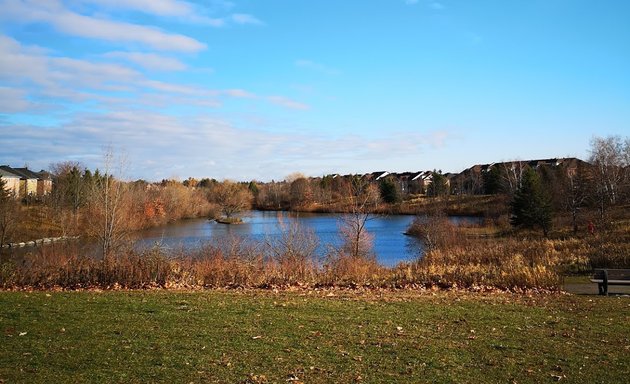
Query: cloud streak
x,y
288,103
157,145
243,18
75,24
70,79
180,10
115,96
156,7
149,61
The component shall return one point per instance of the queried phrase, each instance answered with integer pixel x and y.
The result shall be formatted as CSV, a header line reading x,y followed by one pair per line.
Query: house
x,y
410,182
44,183
484,178
28,183
376,176
12,181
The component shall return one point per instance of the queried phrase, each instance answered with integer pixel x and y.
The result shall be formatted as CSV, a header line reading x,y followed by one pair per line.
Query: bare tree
x,y
233,198
109,206
295,252
512,176
576,192
274,195
363,198
609,157
69,190
301,192
70,193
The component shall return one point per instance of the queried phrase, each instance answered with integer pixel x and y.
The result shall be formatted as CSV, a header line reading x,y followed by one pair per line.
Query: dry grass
x,y
453,259
477,257
504,264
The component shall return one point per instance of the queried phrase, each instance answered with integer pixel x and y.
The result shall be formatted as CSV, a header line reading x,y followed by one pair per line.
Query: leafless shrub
x,y
295,254
346,270
436,232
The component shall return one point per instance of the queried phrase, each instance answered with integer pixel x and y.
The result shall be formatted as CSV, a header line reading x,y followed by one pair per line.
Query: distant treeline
x,y
80,195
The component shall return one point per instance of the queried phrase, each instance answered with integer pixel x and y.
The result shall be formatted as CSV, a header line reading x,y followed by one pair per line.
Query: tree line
x,y
100,204
601,184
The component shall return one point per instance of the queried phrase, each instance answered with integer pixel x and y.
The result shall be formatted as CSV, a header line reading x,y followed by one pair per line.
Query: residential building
x,y
25,183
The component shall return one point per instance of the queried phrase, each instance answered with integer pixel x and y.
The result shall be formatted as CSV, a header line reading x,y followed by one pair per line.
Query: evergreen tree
x,y
492,181
4,192
438,186
531,205
8,212
253,188
389,191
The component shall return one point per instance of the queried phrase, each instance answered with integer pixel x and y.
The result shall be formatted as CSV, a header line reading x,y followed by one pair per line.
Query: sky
x,y
258,90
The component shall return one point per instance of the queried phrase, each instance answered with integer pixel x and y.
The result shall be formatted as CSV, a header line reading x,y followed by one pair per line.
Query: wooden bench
x,y
606,277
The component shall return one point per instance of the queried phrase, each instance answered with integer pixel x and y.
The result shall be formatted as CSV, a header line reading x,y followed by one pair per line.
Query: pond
x,y
391,246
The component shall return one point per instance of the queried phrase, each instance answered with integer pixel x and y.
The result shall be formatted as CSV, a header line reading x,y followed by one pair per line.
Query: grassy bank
x,y
311,337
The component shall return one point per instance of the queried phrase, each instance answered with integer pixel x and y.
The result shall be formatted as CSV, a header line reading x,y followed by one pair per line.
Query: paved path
x,y
591,289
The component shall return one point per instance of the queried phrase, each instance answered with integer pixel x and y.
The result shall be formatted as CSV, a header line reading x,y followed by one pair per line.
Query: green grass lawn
x,y
258,337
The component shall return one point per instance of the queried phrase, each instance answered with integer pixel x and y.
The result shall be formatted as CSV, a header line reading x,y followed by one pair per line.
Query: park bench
x,y
606,277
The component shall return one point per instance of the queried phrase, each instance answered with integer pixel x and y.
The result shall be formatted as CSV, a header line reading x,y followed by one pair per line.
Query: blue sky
x,y
260,89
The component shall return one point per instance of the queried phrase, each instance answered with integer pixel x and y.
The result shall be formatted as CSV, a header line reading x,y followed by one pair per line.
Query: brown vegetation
x,y
456,260
591,228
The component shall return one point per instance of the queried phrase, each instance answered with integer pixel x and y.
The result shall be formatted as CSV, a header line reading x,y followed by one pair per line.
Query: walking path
x,y
588,288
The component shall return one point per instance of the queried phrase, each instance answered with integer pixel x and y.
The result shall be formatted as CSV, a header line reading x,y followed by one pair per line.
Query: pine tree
x,y
492,181
531,206
389,191
4,192
438,186
8,212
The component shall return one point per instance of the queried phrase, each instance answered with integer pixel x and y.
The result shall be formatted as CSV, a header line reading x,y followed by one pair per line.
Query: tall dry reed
x,y
456,261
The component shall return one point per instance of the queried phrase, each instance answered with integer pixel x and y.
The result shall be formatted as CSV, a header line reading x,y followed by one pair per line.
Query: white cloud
x,y
183,10
287,103
19,62
66,21
13,100
159,146
45,79
89,73
239,93
317,67
156,7
150,61
243,18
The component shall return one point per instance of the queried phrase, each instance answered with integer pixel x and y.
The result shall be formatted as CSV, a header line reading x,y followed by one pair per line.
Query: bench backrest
x,y
613,274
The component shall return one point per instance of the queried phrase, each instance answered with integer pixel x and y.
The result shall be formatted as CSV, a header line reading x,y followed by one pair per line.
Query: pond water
x,y
391,246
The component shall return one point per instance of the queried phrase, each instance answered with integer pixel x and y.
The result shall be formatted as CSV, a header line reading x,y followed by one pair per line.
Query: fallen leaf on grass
x,y
256,379
293,379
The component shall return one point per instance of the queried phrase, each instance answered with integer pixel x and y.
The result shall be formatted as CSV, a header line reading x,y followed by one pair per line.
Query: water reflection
x,y
390,244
